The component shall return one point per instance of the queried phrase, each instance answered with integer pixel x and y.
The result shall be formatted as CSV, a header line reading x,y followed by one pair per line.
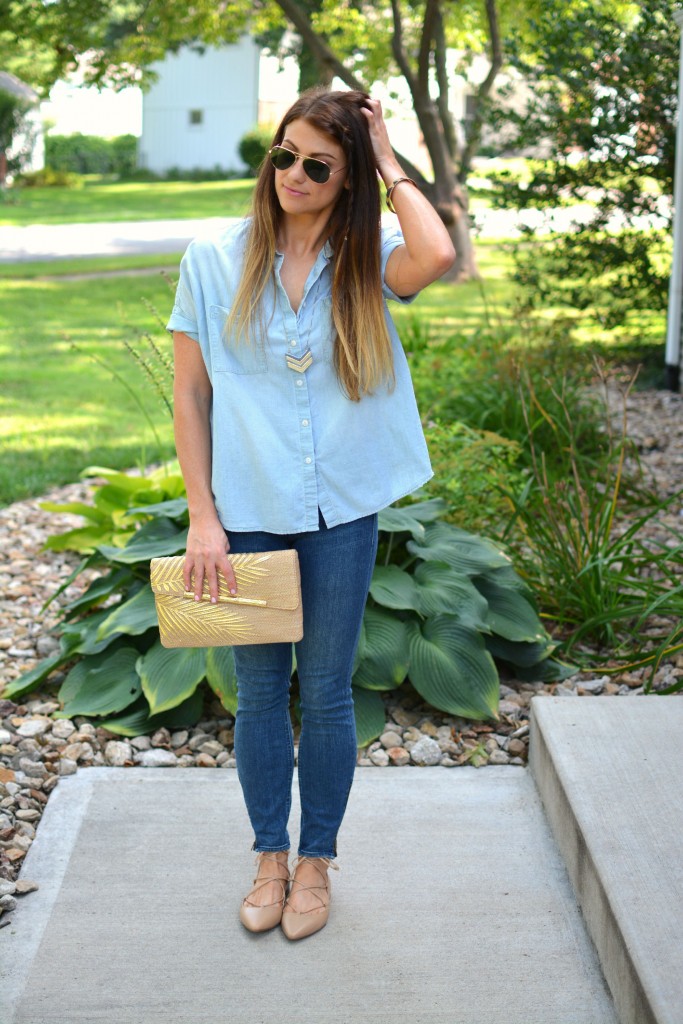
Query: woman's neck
x,y
302,236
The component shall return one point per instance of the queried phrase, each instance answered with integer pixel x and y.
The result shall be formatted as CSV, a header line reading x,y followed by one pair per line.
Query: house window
x,y
196,117
470,108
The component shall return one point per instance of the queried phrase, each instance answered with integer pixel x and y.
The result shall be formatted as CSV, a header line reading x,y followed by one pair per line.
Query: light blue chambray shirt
x,y
286,443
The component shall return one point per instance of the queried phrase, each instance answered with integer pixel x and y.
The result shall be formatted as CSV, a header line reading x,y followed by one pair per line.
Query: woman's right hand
x,y
206,553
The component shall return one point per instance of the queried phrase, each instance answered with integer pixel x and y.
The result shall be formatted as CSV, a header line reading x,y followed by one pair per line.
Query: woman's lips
x,y
293,191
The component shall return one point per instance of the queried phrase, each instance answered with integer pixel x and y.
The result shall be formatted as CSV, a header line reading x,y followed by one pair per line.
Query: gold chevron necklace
x,y
297,363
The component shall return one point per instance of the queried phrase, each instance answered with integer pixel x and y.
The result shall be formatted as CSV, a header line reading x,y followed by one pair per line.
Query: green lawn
x,y
89,265
95,201
60,411
158,200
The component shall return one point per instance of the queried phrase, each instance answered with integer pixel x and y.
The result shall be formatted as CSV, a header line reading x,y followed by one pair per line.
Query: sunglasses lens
x,y
316,170
281,158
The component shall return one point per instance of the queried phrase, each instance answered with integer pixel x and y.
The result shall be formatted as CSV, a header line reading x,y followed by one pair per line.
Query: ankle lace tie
x,y
262,880
309,888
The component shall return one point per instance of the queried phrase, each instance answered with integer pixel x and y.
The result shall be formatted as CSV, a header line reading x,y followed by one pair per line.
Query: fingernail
x,y
213,600
197,597
232,590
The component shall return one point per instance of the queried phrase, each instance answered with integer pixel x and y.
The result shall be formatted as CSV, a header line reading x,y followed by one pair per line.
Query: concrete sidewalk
x,y
125,238
132,238
451,906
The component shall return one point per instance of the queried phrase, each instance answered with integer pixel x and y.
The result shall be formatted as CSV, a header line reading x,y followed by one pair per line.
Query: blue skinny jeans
x,y
336,568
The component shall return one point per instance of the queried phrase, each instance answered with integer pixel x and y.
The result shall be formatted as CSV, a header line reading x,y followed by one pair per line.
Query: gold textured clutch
x,y
266,609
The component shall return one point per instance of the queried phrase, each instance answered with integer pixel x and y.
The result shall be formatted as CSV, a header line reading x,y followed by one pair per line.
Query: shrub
x,y
215,173
254,146
48,177
597,572
472,470
91,154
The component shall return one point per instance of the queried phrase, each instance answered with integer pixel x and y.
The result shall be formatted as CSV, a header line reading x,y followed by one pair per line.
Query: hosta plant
x,y
444,606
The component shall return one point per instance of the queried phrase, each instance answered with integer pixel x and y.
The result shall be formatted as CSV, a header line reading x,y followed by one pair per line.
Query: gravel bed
x,y
37,750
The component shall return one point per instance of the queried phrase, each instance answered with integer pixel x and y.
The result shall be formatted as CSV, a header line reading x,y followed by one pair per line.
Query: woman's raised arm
x,y
428,251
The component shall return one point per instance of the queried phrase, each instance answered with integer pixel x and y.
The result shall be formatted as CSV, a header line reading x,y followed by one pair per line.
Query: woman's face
x,y
299,194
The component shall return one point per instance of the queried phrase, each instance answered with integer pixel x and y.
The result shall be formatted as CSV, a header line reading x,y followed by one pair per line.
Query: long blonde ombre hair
x,y
363,357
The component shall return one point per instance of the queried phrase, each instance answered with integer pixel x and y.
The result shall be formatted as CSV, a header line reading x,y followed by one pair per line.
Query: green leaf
x,y
385,653
85,539
399,520
83,633
83,564
522,655
78,508
506,576
99,589
134,616
28,681
370,716
451,668
464,552
394,588
550,670
442,589
170,675
115,478
173,508
102,683
155,539
138,721
509,614
221,676
410,518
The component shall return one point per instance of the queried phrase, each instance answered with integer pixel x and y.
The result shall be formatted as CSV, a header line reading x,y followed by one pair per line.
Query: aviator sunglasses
x,y
317,170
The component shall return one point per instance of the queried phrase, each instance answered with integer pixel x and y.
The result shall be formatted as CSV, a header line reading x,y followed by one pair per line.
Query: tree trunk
x,y
3,169
312,72
453,209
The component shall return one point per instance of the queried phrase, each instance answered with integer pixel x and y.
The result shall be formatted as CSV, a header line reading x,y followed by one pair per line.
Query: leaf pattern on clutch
x,y
196,621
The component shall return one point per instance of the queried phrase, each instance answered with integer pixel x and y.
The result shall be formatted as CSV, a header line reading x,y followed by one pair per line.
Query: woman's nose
x,y
297,169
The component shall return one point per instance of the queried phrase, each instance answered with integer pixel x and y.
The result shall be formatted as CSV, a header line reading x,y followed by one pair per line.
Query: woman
x,y
295,424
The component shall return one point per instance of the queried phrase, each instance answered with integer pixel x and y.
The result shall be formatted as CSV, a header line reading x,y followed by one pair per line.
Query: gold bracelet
x,y
395,182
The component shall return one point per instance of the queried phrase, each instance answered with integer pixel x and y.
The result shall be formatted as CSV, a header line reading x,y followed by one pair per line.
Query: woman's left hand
x,y
387,164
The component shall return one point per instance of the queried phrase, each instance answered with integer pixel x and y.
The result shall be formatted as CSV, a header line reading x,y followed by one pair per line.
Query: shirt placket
x,y
293,324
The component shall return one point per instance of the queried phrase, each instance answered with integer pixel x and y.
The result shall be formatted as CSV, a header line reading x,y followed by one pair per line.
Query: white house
x,y
33,138
200,107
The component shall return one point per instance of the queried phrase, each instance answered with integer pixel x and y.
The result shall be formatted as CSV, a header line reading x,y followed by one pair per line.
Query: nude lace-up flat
x,y
297,924
261,918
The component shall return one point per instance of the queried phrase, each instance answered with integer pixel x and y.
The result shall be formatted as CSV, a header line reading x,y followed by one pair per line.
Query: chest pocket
x,y
237,357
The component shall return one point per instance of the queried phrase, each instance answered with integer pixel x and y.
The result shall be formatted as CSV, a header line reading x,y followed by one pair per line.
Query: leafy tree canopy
x,y
604,100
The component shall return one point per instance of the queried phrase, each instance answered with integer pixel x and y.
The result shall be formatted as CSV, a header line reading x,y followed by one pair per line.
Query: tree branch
x,y
442,82
430,16
398,50
484,89
318,46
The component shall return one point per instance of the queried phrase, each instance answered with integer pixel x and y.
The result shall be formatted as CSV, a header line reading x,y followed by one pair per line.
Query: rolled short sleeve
x,y
391,238
184,314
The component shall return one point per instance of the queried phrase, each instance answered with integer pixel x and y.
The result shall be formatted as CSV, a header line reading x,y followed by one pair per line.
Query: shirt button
x,y
299,383
293,344
304,423
308,460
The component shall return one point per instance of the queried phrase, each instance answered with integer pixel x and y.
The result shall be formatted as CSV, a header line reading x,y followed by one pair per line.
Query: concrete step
x,y
451,906
610,774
